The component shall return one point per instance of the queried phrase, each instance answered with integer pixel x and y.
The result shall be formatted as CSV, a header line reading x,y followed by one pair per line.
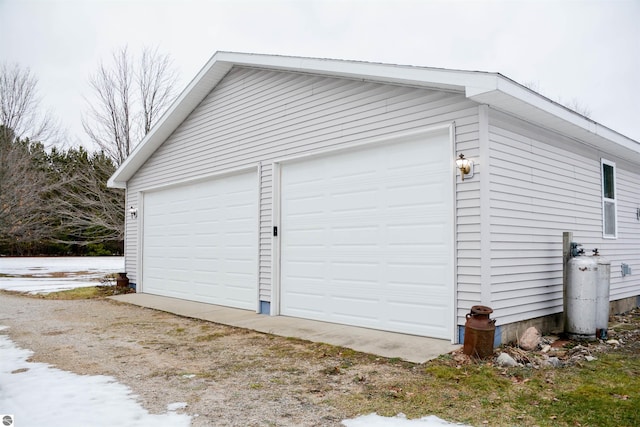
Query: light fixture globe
x,y
465,166
133,212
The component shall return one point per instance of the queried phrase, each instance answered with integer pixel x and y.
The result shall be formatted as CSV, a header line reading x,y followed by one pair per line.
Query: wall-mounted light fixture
x,y
465,166
133,212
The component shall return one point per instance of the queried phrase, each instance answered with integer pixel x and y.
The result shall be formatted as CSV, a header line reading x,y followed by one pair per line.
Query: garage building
x,y
329,190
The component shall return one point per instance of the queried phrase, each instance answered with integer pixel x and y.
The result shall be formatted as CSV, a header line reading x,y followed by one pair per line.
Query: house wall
x,y
540,185
257,116
468,220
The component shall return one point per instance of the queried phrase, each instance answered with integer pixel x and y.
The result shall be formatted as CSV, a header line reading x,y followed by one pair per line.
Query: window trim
x,y
605,200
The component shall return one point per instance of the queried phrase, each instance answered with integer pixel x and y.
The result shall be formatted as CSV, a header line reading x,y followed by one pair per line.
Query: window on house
x,y
609,205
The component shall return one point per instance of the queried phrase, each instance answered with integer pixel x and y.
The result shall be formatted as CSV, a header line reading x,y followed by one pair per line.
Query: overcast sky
x,y
583,50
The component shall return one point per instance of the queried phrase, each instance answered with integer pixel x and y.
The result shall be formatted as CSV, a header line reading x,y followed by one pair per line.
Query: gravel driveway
x,y
228,376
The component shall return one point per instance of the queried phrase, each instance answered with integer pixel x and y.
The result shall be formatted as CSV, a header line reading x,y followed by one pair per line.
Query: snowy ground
x,y
36,394
50,274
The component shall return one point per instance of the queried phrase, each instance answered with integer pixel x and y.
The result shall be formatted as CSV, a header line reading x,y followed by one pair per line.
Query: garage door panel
x,y
404,274
366,237
354,274
353,311
415,197
200,241
308,304
307,268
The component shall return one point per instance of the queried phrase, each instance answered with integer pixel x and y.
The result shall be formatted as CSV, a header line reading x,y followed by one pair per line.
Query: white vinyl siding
x,y
625,249
534,198
609,203
536,195
468,230
131,237
256,116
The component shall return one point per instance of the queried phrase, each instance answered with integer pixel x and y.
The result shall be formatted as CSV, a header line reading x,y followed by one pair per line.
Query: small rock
x,y
546,348
530,340
506,361
613,342
589,358
553,362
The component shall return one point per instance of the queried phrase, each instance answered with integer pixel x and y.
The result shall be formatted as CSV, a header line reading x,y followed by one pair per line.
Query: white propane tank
x,y
582,284
602,295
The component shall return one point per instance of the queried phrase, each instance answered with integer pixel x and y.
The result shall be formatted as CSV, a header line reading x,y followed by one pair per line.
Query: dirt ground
x,y
235,377
227,376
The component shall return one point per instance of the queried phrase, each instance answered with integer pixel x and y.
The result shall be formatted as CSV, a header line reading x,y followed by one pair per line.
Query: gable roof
x,y
493,89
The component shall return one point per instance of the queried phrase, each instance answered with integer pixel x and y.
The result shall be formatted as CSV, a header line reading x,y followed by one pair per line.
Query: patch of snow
x,y
37,394
177,405
375,420
52,274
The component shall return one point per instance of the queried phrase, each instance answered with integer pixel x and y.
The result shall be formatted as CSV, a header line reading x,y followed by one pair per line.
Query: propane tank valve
x,y
575,251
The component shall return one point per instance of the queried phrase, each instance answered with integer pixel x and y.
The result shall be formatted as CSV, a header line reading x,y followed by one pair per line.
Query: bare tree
x,y
24,214
20,111
156,80
574,104
46,194
577,106
89,212
129,97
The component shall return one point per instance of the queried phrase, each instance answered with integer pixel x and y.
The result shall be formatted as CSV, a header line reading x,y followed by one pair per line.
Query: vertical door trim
x,y
258,215
140,248
453,273
275,240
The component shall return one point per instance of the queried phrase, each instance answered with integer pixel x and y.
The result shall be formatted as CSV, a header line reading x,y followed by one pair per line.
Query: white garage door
x,y
200,241
366,237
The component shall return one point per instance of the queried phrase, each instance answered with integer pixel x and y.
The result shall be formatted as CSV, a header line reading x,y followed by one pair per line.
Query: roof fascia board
x,y
504,86
519,92
368,71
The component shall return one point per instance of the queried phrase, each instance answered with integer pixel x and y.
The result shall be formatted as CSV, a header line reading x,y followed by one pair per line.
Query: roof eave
x,y
517,100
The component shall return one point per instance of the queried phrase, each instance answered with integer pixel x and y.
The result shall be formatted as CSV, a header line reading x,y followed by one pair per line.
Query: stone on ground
x,y
531,339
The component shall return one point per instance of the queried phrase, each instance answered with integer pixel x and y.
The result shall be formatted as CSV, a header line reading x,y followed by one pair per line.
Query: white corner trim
x,y
484,143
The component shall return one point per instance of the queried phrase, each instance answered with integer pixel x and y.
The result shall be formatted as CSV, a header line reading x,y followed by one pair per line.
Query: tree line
x,y
54,198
